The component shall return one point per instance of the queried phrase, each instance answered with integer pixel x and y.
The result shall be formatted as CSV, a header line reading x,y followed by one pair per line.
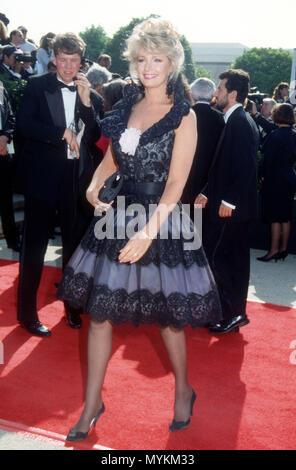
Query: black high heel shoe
x,y
75,436
179,425
282,255
265,258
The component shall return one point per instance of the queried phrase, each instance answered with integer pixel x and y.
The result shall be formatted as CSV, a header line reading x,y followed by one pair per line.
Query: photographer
x,y
263,120
14,71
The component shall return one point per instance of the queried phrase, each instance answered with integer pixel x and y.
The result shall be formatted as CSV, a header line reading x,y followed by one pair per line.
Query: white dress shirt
x,y
69,99
230,111
202,102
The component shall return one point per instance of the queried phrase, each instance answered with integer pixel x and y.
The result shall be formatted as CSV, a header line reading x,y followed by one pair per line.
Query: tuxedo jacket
x,y
233,173
42,123
210,123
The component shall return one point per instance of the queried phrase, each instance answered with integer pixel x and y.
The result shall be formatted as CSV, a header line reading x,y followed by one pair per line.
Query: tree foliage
x,y
267,67
200,72
96,41
117,46
189,68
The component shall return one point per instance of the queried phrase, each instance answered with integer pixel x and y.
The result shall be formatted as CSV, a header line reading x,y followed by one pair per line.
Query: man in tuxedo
x,y
210,123
231,199
59,124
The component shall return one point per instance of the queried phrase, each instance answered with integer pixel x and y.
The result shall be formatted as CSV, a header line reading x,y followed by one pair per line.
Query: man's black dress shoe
x,y
36,328
74,319
226,326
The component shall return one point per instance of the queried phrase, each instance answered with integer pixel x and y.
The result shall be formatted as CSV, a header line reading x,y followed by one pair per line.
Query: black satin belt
x,y
143,187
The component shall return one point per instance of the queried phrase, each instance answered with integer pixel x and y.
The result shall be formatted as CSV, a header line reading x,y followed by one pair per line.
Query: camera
x,y
23,58
257,97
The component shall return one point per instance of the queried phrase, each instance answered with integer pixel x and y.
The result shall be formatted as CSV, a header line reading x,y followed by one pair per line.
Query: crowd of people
x,y
73,126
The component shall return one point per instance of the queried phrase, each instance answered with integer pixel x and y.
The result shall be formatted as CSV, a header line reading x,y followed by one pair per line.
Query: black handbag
x,y
111,187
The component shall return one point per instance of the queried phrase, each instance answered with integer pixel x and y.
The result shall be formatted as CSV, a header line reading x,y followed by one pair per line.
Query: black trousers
x,y
10,231
227,247
39,220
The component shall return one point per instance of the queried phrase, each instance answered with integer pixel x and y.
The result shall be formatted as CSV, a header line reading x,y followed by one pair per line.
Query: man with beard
x,y
231,198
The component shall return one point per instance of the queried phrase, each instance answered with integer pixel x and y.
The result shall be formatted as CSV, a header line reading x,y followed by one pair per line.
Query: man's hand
x,y
201,200
3,145
83,89
225,211
253,108
70,137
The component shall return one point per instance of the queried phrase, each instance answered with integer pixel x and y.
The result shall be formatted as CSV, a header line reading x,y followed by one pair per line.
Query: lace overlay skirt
x,y
169,285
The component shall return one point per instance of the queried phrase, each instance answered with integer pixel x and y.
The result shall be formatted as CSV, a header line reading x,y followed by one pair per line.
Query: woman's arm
x,y
106,168
181,162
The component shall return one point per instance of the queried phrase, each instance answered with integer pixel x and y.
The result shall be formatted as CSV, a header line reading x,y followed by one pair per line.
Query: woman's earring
x,y
170,87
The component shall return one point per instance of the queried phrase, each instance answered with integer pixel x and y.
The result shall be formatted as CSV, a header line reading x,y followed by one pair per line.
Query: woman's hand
x,y
135,248
100,206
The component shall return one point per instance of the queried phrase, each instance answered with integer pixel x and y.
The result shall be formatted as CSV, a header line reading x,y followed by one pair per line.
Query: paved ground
x,y
270,282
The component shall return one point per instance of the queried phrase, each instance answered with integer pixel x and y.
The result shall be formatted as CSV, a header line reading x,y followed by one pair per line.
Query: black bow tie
x,y
63,85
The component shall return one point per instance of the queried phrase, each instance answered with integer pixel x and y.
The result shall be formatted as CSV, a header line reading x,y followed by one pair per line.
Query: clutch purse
x,y
111,187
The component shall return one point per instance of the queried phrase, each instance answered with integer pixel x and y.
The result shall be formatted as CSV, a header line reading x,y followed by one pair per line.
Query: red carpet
x,y
245,382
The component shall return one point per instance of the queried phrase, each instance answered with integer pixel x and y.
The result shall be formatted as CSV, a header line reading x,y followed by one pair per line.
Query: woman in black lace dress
x,y
152,275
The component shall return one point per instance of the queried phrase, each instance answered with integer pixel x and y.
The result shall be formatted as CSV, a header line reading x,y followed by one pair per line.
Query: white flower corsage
x,y
129,140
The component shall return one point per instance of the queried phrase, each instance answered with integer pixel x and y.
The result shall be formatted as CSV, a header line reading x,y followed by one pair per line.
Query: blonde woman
x,y
146,278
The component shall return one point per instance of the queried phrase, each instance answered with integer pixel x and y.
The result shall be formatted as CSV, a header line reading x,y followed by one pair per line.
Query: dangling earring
x,y
170,87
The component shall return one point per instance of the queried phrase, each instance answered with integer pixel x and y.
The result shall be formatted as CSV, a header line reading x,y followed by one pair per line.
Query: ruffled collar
x,y
116,122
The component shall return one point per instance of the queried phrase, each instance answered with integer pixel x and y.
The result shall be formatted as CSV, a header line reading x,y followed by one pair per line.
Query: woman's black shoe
x,y
270,258
179,425
282,255
74,320
75,436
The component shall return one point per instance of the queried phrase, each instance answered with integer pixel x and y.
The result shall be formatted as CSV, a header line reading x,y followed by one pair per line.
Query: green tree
x,y
117,46
96,41
266,67
200,72
189,68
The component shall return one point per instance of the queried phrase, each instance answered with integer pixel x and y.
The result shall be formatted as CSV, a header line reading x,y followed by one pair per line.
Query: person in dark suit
x,y
58,122
7,125
279,181
210,123
231,199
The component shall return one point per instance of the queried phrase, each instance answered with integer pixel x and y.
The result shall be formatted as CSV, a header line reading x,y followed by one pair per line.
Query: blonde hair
x,y
155,35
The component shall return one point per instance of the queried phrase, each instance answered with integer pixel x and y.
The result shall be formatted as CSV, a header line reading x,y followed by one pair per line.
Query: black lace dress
x,y
169,285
